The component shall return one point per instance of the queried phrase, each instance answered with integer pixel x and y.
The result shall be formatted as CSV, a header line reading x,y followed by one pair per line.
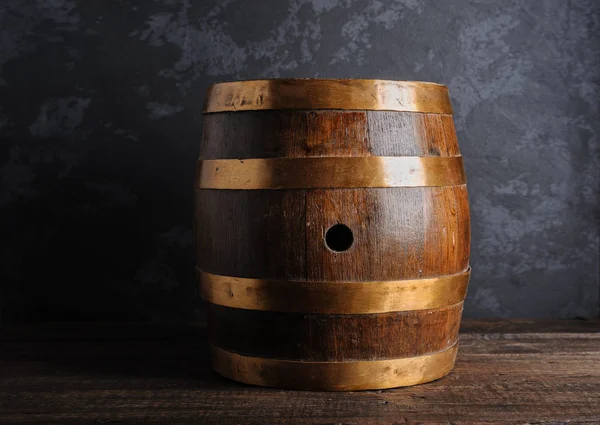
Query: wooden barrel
x,y
332,232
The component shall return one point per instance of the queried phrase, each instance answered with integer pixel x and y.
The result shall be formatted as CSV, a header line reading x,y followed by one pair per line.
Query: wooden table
x,y
507,373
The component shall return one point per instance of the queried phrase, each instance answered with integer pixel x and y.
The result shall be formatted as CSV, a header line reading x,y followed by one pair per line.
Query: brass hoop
x,y
333,297
334,376
330,172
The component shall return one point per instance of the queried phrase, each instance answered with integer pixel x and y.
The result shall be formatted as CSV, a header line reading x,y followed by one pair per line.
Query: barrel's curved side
x,y
399,233
334,337
310,133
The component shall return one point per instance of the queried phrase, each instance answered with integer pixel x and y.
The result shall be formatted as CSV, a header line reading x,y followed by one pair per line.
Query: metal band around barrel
x,y
329,172
333,297
334,376
408,96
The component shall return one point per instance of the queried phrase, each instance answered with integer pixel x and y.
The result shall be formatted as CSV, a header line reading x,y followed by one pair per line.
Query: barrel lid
x,y
343,94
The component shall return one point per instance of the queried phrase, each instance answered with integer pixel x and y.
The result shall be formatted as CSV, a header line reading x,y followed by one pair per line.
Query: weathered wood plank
x,y
530,326
469,328
516,372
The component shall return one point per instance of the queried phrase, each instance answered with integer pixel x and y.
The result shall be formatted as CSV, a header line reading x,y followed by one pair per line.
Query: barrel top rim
x,y
334,80
327,93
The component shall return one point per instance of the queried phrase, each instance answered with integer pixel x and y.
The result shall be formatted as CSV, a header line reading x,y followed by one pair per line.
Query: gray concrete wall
x,y
100,118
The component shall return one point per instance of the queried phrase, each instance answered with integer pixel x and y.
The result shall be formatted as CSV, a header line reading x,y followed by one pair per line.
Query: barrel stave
x,y
333,337
299,134
399,233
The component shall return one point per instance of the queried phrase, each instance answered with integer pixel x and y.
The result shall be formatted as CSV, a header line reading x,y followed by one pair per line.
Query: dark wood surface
x,y
508,372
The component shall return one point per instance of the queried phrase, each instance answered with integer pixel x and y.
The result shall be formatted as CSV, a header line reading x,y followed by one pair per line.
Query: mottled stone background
x,y
100,118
